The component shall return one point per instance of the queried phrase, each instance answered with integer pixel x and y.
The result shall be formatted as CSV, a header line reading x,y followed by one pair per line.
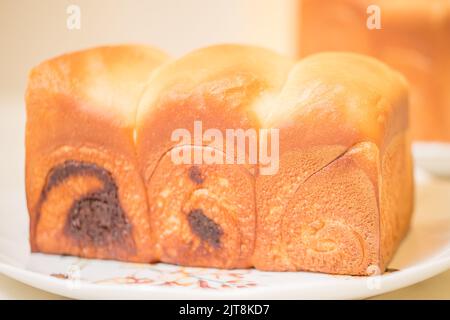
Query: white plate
x,y
433,157
424,253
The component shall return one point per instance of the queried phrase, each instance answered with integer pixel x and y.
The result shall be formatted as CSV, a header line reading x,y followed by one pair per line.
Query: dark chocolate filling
x,y
195,175
205,227
97,217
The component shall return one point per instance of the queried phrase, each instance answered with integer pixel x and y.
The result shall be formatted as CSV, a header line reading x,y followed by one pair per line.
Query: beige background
x,y
34,30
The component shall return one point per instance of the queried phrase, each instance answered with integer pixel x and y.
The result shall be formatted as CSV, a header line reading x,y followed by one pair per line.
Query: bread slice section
x,y
84,192
334,205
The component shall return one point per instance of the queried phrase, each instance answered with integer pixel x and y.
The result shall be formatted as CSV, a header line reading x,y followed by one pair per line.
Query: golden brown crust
x,y
334,112
219,85
81,107
331,207
202,215
338,115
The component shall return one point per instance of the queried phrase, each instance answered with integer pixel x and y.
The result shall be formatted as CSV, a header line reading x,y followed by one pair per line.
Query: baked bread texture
x,y
339,200
413,38
335,205
218,86
84,191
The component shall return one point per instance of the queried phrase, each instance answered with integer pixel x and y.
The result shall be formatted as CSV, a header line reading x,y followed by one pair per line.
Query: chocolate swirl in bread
x,y
85,194
97,217
205,227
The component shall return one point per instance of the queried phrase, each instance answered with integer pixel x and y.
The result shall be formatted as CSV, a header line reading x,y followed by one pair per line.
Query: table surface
x,y
437,287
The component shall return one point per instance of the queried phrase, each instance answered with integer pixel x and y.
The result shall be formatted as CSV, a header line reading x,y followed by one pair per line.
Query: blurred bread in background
x,y
414,38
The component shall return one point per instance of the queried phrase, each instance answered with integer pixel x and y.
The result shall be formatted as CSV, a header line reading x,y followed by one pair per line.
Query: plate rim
x,y
88,290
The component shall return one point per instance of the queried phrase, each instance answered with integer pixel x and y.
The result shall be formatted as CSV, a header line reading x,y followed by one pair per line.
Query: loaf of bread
x,y
106,181
84,191
413,37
